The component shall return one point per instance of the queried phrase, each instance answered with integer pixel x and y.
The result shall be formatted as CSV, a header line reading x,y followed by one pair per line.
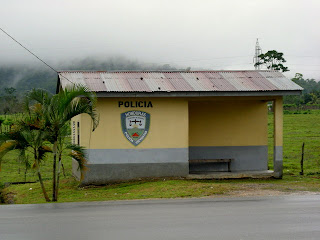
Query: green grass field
x,y
298,128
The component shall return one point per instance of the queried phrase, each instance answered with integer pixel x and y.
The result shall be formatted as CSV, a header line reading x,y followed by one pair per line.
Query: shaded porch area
x,y
228,138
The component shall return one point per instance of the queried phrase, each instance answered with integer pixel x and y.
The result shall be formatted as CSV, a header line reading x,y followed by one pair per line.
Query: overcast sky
x,y
207,34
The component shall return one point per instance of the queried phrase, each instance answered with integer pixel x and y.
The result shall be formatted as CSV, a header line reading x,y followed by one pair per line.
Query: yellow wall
x,y
228,123
168,125
278,122
175,123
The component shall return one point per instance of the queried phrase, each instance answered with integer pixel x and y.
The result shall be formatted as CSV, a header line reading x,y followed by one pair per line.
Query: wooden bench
x,y
212,161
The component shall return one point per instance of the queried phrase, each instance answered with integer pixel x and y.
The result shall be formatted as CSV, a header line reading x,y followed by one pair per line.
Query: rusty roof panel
x,y
68,78
94,82
260,80
124,81
212,75
284,84
193,80
205,82
252,74
281,82
154,84
219,82
247,82
163,81
236,82
177,81
180,81
112,84
138,85
158,82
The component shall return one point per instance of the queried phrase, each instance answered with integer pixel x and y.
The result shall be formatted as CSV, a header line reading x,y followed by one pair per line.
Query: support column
x,y
278,137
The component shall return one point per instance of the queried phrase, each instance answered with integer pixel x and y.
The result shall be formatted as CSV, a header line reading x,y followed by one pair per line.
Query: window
x,y
78,132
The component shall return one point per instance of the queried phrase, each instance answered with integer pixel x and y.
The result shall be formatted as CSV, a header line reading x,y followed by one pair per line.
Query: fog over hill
x,y
24,77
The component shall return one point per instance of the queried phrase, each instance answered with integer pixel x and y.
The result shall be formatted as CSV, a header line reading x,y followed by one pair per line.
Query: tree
x,y
57,111
46,121
10,101
75,151
273,60
310,93
1,122
27,136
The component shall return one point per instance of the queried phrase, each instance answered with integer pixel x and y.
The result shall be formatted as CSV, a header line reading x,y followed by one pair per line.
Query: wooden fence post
x,y
301,162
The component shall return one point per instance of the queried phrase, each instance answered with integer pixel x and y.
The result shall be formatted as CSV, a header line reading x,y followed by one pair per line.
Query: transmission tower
x,y
256,58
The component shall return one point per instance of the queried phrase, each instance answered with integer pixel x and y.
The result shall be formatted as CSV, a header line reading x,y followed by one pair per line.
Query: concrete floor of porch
x,y
231,175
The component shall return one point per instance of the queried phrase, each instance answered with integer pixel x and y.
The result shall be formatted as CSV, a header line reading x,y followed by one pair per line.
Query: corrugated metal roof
x,y
94,81
180,81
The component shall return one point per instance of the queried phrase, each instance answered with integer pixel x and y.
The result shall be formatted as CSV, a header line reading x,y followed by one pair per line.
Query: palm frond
x,y
34,165
23,158
26,104
79,106
66,96
63,133
78,153
4,137
5,148
42,151
15,136
75,100
39,95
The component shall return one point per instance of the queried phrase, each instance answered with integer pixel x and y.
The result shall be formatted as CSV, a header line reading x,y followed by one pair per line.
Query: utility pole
x,y
256,58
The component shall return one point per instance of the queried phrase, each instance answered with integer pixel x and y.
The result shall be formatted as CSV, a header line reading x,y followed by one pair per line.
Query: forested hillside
x,y
310,94
24,78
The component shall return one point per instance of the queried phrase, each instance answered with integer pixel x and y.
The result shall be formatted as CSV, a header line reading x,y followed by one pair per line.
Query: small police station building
x,y
161,124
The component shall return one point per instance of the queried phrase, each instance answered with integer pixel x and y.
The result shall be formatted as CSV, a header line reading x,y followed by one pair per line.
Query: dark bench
x,y
212,161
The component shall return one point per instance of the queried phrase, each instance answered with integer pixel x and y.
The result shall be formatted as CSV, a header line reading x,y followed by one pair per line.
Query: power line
x,y
33,54
303,56
295,64
311,70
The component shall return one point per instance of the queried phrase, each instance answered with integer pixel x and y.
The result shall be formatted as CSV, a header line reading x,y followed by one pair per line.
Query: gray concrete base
x,y
128,156
245,158
232,175
104,173
75,170
278,161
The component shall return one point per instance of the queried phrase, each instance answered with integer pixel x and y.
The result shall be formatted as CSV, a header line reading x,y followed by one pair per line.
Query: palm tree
x,y
47,121
75,151
26,136
57,111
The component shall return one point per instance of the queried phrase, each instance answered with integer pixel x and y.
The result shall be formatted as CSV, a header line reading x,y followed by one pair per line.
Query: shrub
x,y
287,112
289,106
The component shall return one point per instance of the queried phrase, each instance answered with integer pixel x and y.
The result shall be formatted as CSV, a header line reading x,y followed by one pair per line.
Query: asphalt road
x,y
289,217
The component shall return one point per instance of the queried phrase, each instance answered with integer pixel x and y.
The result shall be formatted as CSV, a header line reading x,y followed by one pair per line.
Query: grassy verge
x,y
298,128
166,188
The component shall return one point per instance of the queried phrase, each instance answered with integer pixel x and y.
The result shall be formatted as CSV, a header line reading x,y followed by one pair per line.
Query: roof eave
x,y
200,94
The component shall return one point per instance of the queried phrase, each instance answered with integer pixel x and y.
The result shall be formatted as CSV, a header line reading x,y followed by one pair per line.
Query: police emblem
x,y
135,126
